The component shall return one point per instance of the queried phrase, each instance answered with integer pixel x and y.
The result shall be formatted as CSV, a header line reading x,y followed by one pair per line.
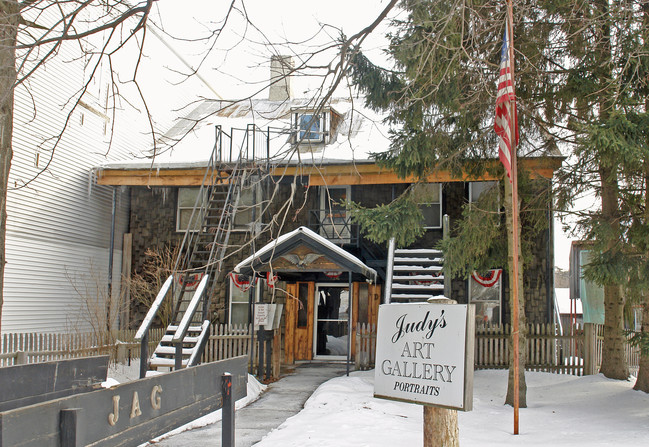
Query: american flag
x,y
505,101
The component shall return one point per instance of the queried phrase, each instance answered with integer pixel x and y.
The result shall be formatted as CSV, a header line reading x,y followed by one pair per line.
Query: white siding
x,y
58,227
60,222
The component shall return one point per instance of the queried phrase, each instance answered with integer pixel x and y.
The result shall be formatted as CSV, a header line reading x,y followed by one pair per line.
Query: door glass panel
x,y
303,311
332,337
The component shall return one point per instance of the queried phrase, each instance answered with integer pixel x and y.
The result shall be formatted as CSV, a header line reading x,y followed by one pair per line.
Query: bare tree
x,y
32,33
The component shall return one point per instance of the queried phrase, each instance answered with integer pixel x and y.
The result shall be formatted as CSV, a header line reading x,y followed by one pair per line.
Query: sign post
x,y
424,356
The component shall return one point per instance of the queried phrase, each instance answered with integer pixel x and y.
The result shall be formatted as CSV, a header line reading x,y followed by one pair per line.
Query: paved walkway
x,y
280,401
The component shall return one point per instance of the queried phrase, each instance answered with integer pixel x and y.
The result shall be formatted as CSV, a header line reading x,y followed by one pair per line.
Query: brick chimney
x,y
280,78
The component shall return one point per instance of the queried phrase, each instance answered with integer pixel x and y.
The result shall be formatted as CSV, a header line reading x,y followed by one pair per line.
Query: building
x,y
288,163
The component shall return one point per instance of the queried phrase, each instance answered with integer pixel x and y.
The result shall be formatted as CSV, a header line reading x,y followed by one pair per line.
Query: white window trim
x,y
322,118
258,209
500,296
256,291
471,199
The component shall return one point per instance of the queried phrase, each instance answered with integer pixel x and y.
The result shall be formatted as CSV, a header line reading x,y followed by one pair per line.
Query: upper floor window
x,y
249,207
187,199
311,127
247,214
429,198
335,224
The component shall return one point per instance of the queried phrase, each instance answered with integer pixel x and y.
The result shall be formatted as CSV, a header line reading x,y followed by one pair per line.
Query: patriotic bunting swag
x,y
489,280
242,282
271,279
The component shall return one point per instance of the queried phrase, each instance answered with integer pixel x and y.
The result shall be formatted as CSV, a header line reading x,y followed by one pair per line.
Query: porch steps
x,y
415,275
164,355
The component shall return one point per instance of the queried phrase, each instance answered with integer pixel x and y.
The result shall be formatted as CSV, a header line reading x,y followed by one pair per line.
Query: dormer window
x,y
311,127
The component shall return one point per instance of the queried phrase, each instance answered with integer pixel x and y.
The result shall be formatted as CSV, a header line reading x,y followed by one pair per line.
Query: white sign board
x,y
263,314
422,354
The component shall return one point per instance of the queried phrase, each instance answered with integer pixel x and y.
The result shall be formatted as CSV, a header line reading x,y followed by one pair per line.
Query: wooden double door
x,y
321,318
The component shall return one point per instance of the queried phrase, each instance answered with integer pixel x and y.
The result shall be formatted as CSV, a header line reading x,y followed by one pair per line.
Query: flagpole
x,y
515,225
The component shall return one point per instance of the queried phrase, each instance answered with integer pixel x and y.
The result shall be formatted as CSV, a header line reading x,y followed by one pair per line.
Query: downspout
x,y
349,323
549,260
110,258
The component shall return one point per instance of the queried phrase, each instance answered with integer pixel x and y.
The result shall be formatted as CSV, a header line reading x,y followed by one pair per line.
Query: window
x,y
249,208
429,198
334,217
186,201
311,127
476,189
240,302
485,292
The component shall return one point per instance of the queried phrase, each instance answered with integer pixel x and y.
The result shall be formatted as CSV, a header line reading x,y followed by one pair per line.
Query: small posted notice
x,y
421,355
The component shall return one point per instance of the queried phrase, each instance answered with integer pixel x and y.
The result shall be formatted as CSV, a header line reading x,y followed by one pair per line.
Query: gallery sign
x,y
424,354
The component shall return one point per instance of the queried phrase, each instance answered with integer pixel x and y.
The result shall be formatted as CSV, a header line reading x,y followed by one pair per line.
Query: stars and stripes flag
x,y
505,103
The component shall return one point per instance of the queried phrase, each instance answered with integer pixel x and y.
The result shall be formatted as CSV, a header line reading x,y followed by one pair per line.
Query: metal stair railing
x,y
183,326
142,334
217,243
187,259
389,272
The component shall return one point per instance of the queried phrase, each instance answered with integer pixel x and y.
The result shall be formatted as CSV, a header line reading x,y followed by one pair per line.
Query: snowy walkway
x,y
280,401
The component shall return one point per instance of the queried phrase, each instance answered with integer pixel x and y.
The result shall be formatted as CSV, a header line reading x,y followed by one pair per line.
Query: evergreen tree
x,y
581,84
440,98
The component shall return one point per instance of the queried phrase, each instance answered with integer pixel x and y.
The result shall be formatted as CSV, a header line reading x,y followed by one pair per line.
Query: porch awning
x,y
303,250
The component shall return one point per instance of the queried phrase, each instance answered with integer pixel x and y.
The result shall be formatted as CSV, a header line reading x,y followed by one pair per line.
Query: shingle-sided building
x,y
298,164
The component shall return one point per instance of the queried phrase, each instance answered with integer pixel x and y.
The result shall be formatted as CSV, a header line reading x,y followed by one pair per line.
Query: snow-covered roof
x,y
355,133
261,258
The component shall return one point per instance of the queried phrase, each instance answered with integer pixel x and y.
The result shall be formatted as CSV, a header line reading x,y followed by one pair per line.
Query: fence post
x,y
590,349
227,412
21,358
359,351
121,351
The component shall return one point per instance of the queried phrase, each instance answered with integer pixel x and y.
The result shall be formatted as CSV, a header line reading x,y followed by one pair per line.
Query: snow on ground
x,y
122,373
562,410
254,390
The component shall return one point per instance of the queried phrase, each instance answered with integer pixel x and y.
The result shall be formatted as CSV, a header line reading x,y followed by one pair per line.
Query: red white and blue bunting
x,y
490,279
271,279
190,280
242,282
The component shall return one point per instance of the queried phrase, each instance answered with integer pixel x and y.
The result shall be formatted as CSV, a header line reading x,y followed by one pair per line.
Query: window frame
x,y
327,219
179,209
256,191
441,200
302,131
256,290
471,184
473,300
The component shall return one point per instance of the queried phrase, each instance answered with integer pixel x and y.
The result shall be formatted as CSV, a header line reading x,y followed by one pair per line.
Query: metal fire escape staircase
x,y
415,275
199,261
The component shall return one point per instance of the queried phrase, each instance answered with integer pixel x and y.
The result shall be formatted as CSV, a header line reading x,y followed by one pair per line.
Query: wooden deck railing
x,y
547,349
22,348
